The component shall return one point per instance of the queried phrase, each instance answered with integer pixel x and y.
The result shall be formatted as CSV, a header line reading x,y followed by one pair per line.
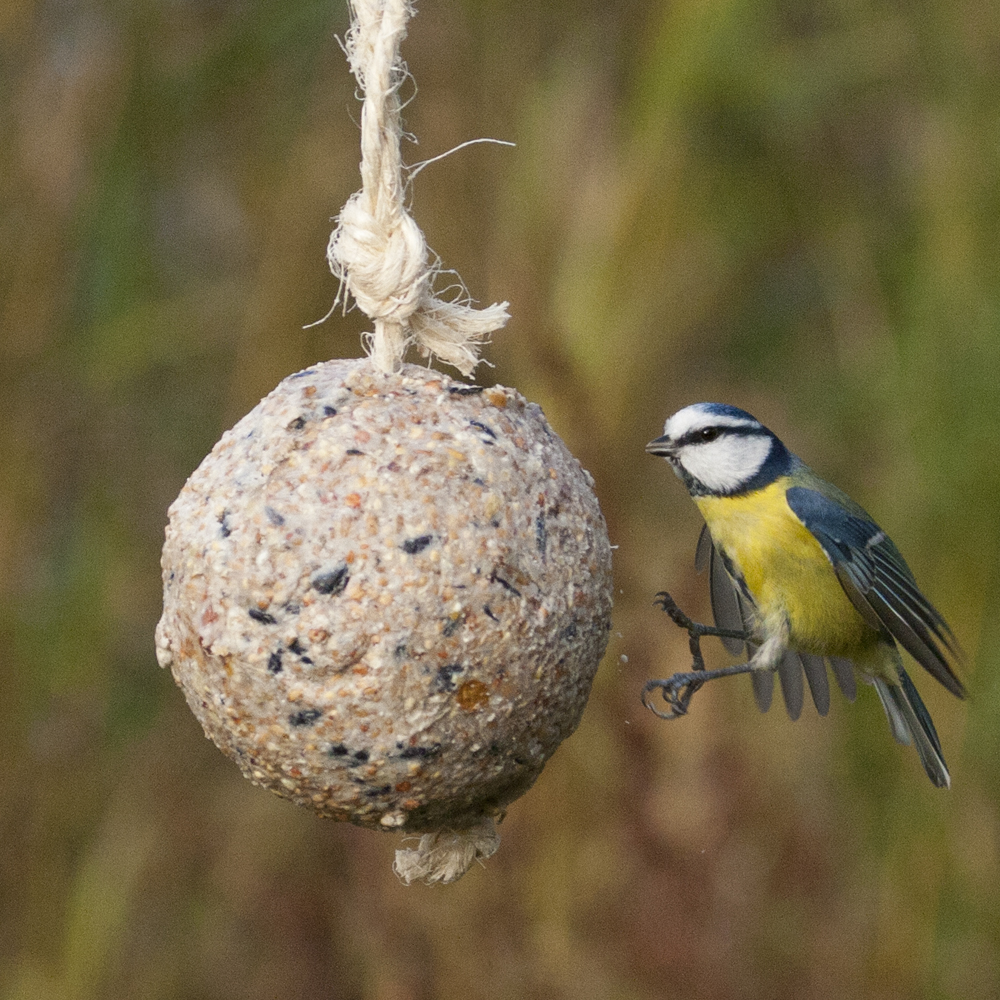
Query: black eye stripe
x,y
696,436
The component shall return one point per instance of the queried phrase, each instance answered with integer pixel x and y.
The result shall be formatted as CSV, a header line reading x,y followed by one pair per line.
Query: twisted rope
x,y
376,250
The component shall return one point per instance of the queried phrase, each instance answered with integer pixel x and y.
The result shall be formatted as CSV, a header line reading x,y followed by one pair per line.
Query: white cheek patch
x,y
725,464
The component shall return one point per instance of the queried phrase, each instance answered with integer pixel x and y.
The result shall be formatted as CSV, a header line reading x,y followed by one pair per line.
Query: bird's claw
x,y
676,691
666,603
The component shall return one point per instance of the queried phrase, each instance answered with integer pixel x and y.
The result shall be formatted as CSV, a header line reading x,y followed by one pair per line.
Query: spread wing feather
x,y
763,686
843,670
879,583
790,676
819,685
703,553
726,607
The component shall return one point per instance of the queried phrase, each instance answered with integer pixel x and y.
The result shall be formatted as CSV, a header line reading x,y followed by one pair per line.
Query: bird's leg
x,y
678,690
696,629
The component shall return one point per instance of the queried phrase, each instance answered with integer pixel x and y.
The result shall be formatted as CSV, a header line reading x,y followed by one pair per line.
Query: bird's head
x,y
719,450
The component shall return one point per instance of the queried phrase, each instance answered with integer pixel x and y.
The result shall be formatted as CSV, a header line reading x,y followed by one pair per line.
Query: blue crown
x,y
725,410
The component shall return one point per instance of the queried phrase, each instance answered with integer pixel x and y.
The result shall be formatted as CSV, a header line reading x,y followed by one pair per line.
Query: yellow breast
x,y
786,571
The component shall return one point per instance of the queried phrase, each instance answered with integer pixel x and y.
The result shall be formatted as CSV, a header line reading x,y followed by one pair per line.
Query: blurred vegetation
x,y
790,205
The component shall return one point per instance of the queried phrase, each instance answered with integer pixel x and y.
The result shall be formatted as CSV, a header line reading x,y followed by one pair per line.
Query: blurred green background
x,y
789,205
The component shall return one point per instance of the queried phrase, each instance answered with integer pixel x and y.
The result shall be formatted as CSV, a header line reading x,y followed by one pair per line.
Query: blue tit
x,y
806,575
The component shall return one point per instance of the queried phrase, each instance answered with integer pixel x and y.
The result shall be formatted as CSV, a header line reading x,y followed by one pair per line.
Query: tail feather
x,y
908,717
923,719
897,721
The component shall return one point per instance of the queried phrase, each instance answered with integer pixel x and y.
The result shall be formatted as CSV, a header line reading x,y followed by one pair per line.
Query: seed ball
x,y
386,596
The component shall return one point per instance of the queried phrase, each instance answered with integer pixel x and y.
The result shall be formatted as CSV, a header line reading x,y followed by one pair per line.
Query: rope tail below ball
x,y
377,251
386,592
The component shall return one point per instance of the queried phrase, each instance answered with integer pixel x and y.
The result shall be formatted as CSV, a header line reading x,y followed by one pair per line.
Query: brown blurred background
x,y
789,205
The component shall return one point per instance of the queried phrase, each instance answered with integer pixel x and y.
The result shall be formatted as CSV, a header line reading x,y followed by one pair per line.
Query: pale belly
x,y
787,573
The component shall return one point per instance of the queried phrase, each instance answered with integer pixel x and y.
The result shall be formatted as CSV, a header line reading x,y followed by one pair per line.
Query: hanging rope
x,y
376,250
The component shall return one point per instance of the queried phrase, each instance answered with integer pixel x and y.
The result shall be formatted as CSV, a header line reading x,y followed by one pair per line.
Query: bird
x,y
805,577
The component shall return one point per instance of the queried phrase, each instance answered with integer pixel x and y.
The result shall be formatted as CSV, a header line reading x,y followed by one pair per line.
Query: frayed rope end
x,y
444,857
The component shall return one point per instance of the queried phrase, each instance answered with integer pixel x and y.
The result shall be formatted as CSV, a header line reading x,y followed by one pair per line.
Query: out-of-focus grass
x,y
788,206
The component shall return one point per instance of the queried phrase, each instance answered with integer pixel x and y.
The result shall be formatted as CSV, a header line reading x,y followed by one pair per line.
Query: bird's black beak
x,y
662,446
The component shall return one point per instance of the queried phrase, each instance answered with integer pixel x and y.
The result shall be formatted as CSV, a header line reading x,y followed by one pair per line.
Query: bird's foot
x,y
678,690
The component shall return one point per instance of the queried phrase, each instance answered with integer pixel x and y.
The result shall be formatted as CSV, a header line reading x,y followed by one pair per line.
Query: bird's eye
x,y
709,434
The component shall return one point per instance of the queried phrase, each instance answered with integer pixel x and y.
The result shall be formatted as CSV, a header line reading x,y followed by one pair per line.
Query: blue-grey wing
x,y
879,583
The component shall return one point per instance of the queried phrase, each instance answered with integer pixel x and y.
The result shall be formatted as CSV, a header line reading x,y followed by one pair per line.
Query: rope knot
x,y
382,262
